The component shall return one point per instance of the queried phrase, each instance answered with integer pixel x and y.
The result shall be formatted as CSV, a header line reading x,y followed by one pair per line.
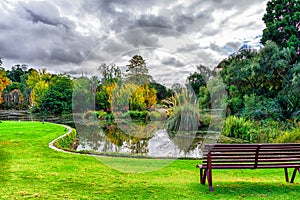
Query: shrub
x,y
239,127
263,131
91,114
102,115
157,116
136,115
290,136
66,142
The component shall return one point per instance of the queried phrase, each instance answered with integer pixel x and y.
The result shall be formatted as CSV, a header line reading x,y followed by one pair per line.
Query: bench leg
x,y
209,179
204,177
286,173
294,174
201,176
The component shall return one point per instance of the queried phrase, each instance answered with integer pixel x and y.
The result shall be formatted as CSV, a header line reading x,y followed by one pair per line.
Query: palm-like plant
x,y
183,112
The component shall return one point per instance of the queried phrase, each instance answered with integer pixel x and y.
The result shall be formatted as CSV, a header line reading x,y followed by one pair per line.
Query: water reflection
x,y
112,139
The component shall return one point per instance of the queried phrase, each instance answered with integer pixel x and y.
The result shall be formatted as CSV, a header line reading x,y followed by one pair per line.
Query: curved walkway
x,y
51,144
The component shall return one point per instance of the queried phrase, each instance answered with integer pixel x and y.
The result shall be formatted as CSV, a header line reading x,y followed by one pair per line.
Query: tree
x,y
282,21
58,98
83,97
137,71
110,73
196,81
38,82
161,91
16,72
133,97
262,81
4,81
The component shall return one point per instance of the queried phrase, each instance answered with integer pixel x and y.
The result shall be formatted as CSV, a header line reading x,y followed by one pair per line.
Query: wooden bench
x,y
249,156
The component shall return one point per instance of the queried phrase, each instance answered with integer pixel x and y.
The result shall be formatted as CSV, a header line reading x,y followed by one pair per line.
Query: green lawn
x,y
30,169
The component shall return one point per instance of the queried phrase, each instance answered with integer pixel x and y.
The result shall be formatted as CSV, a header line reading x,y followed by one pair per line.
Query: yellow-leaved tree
x,y
38,82
4,81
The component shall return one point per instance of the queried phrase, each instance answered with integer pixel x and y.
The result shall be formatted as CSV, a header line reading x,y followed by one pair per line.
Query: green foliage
x,y
92,115
290,136
58,98
83,98
196,81
66,141
161,91
111,74
133,97
136,115
157,116
264,131
16,73
282,25
102,99
261,84
234,100
204,98
137,72
239,127
259,107
4,81
183,112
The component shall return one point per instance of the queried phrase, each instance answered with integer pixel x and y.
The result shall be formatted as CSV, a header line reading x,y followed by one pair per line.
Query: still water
x,y
152,141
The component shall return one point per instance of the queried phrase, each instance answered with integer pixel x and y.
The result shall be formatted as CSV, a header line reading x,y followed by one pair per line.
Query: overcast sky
x,y
174,36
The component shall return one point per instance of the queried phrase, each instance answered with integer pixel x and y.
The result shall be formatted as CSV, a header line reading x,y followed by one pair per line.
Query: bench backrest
x,y
251,156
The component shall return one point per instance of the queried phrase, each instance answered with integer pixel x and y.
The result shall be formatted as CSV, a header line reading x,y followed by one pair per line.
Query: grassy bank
x,y
30,169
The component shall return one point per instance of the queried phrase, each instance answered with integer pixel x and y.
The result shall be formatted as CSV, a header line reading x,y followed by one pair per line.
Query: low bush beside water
x,y
263,131
66,141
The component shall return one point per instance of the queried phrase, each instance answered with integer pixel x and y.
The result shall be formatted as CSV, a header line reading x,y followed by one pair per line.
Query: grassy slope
x,y
29,169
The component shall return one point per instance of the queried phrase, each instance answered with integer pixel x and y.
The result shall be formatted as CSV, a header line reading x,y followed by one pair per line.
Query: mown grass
x,y
30,169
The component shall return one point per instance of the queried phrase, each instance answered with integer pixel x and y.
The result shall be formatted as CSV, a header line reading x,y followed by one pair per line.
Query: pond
x,y
147,141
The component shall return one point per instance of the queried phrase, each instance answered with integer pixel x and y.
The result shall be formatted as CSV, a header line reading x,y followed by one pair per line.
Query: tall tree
x,y
58,98
16,72
282,21
38,82
4,81
137,72
110,74
196,81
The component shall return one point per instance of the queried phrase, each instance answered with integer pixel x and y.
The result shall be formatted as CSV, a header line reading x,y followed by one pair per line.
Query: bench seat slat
x,y
234,161
278,159
280,150
249,166
232,157
252,145
232,166
233,150
232,154
278,153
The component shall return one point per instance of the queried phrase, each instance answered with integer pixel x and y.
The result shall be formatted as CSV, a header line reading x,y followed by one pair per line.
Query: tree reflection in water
x,y
139,140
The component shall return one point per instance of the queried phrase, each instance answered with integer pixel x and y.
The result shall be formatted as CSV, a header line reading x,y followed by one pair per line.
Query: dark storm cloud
x,y
188,48
141,38
233,45
36,33
171,61
152,21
